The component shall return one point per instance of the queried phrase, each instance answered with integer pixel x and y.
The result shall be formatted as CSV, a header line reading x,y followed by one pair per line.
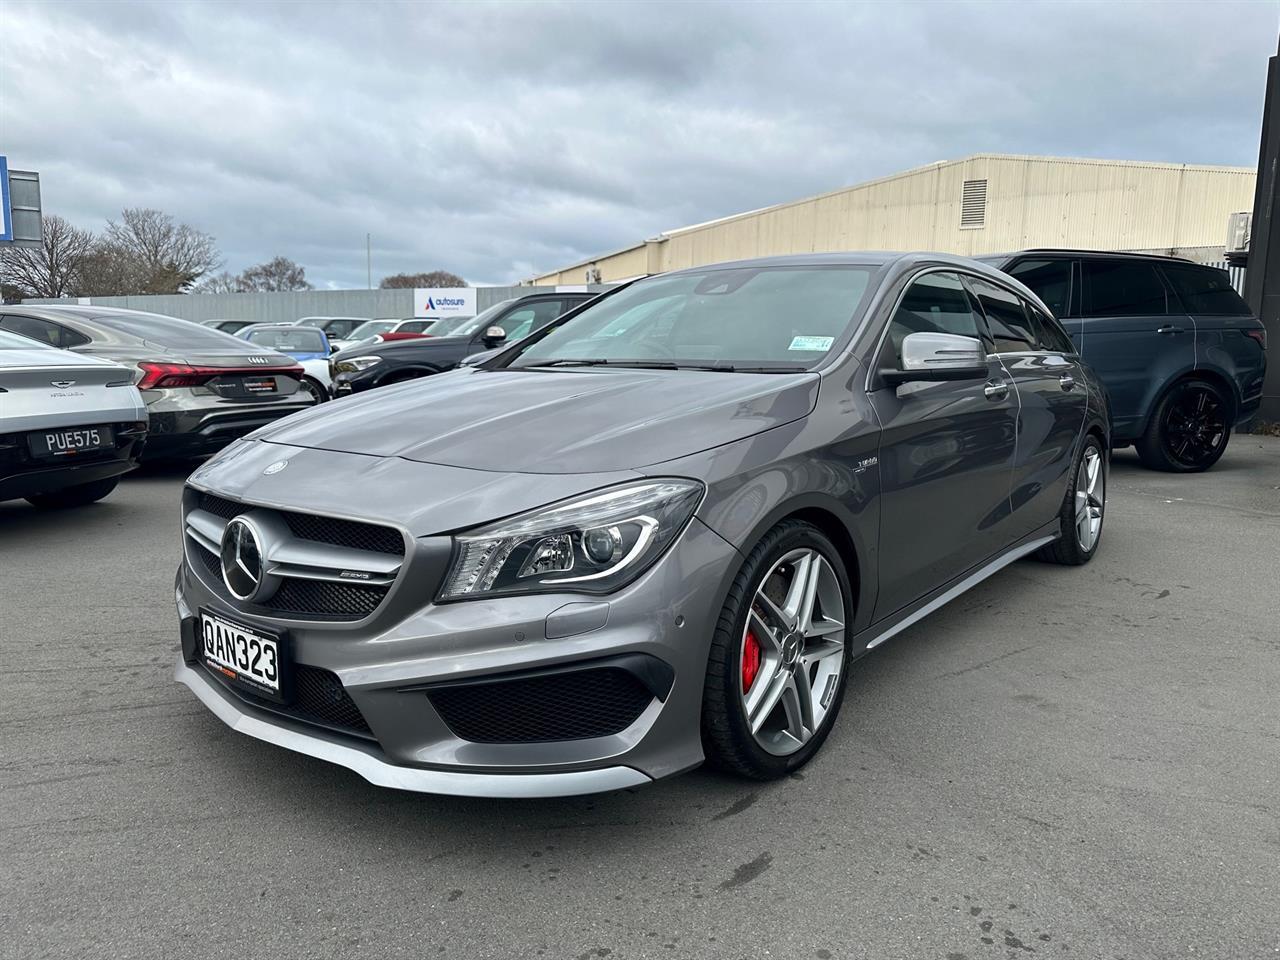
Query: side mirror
x,y
494,336
939,356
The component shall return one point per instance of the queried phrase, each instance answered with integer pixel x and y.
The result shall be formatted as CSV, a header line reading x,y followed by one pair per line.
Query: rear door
x,y
946,454
1132,335
1044,367
1228,336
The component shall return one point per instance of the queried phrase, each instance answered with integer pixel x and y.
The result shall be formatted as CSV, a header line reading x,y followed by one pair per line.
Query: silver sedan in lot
x,y
69,425
657,531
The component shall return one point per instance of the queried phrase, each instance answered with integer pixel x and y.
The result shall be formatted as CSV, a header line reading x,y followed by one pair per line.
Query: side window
x,y
935,303
340,329
1052,336
1011,328
43,330
413,326
524,320
1050,280
1122,288
1206,291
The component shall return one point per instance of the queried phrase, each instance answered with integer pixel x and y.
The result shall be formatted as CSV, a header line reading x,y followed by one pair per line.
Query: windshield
x,y
289,339
465,326
371,329
776,317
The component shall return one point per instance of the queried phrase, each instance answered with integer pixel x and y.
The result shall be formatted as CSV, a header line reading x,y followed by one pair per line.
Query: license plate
x,y
67,443
260,384
247,656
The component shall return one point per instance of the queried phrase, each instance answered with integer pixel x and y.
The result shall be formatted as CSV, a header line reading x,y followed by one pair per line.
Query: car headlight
x,y
595,543
354,364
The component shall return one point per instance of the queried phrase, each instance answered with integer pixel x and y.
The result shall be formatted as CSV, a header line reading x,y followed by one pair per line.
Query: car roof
x,y
1089,254
897,260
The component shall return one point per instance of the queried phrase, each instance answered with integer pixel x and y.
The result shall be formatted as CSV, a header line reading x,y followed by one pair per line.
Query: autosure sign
x,y
444,302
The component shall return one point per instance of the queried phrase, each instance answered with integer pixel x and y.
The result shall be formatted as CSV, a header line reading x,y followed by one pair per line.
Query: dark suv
x,y
363,367
1181,355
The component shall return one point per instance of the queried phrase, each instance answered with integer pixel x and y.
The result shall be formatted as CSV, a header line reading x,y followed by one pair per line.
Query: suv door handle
x,y
1068,381
996,390
1168,331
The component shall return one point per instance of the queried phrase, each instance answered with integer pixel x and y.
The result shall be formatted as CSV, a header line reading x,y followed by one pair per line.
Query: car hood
x,y
557,422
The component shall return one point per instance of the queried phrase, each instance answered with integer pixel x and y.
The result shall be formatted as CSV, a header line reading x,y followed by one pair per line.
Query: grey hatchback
x,y
658,531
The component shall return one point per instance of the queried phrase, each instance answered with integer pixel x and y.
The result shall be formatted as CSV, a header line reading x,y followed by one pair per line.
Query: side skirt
x,y
879,633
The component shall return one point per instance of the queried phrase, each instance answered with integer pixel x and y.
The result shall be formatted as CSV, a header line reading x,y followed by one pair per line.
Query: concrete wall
x,y
1031,202
287,307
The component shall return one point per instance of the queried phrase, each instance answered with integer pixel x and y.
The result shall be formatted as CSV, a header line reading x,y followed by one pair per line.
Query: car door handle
x,y
996,390
1068,381
1168,331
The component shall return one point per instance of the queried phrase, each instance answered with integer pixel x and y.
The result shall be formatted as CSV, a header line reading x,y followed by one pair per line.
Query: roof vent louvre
x,y
973,204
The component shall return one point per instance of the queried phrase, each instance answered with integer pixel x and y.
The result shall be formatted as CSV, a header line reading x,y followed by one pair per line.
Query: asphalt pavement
x,y
1062,763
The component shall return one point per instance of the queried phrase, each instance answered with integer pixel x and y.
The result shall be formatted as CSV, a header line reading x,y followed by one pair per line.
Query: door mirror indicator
x,y
939,356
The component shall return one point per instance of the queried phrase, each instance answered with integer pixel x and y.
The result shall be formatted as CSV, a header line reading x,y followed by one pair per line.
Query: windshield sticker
x,y
811,343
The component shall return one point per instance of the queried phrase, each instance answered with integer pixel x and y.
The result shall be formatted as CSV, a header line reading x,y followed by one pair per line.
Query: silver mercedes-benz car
x,y
657,531
69,425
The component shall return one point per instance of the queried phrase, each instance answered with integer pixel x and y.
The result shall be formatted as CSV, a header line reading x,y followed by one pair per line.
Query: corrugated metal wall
x,y
287,307
1030,202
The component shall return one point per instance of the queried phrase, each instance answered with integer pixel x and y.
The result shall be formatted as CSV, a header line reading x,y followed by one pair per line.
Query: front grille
x,y
307,526
319,698
297,596
576,705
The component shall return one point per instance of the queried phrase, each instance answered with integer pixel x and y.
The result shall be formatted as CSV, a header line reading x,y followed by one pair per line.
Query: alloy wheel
x,y
793,651
1091,498
1195,426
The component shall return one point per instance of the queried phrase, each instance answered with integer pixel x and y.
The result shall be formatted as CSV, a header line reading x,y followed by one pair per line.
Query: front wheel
x,y
1083,508
778,663
1189,429
76,496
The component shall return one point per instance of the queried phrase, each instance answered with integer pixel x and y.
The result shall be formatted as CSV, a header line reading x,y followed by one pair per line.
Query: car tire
x,y
76,496
1189,429
315,388
755,655
1083,509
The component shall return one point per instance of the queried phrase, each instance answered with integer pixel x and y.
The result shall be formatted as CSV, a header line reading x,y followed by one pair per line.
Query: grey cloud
x,y
497,139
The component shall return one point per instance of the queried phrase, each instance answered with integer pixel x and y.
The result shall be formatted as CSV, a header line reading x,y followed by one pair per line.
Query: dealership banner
x,y
440,302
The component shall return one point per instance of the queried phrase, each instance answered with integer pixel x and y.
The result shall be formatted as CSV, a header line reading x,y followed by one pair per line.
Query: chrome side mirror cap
x,y
939,356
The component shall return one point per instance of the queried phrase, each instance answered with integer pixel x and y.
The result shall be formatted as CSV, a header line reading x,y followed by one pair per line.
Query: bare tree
x,y
219,283
52,269
171,256
434,278
108,270
276,275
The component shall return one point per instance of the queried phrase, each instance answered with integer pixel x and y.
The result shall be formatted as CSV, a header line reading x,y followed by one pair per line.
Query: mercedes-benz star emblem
x,y
241,559
275,467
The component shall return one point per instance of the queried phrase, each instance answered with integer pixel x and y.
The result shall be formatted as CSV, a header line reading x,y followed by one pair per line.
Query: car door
x,y
946,453
1045,368
1131,335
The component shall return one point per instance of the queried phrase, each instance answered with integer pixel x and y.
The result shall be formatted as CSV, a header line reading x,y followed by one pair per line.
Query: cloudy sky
x,y
497,139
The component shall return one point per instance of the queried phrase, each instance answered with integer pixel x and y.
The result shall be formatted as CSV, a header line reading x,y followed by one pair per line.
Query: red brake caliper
x,y
750,660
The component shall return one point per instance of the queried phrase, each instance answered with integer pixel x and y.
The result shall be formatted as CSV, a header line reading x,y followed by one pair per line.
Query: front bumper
x,y
393,664
367,762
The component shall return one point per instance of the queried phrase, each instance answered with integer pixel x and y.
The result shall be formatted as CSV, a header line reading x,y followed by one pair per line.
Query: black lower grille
x,y
319,698
576,705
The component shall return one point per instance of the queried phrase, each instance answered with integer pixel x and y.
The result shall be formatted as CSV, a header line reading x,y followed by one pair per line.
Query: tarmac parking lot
x,y
1066,762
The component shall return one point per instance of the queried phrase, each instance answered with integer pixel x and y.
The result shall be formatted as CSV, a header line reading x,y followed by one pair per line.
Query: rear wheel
x,y
1189,429
76,496
314,387
1083,509
777,667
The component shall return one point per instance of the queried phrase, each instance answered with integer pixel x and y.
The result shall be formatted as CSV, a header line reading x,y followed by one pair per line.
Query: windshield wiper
x,y
601,362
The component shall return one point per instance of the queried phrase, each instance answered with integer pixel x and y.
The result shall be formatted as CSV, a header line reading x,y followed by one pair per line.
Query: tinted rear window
x,y
289,339
1122,288
166,331
1206,291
